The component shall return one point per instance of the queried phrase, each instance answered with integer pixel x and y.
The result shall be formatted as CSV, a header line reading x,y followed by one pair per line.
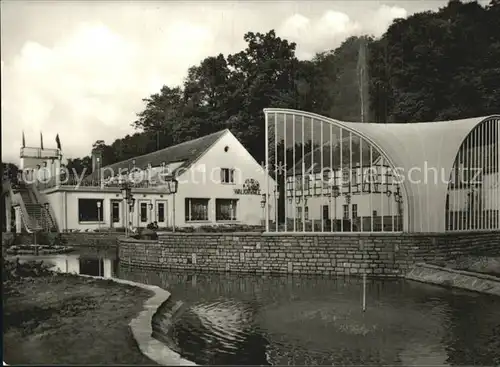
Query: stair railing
x,y
42,199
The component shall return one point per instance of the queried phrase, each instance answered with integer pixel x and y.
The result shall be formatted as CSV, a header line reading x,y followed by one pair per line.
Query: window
x,y
161,212
88,210
226,175
326,212
345,176
374,213
354,177
196,209
225,209
326,179
115,212
144,212
306,213
307,183
298,183
354,210
299,212
346,211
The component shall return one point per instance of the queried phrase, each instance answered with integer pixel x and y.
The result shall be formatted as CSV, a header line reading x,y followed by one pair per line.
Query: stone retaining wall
x,y
455,278
85,239
92,238
382,254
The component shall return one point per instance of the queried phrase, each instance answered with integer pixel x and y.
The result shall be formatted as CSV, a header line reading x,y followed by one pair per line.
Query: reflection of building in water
x,y
77,264
98,267
67,263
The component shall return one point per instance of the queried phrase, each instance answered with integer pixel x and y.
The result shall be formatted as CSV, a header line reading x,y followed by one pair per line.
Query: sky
x,y
81,69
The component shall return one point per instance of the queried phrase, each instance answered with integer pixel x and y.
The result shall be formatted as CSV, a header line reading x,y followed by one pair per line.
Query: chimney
x,y
97,161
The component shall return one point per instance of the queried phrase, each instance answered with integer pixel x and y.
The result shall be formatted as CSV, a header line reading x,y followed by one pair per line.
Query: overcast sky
x,y
81,69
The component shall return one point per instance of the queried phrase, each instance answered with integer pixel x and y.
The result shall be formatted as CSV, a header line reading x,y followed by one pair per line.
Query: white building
x,y
219,183
353,196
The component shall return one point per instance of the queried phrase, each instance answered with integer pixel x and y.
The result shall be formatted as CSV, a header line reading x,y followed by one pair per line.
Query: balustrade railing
x,y
75,181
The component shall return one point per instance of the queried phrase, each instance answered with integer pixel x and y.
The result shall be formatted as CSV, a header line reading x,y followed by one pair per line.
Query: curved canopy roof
x,y
423,152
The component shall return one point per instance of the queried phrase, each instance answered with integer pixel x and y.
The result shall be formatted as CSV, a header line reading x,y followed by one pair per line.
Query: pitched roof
x,y
187,152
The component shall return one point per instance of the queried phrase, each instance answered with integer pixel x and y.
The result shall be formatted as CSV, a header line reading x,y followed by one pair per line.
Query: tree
x,y
265,73
79,165
430,66
438,65
337,81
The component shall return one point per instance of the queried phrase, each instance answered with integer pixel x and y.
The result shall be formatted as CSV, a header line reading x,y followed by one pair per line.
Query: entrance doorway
x,y
115,212
162,213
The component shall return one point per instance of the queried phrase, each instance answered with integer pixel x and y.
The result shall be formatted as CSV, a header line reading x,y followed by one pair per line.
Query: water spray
x,y
364,292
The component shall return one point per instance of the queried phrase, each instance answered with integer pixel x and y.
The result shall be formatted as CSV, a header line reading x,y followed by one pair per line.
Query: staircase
x,y
37,216
25,194
30,225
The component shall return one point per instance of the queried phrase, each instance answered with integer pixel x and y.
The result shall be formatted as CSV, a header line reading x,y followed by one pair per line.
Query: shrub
x,y
59,240
42,238
13,270
218,228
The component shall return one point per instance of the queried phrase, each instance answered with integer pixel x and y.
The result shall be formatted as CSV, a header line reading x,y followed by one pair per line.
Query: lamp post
x,y
263,202
151,206
399,200
171,187
298,199
131,204
348,202
348,198
127,200
98,216
335,194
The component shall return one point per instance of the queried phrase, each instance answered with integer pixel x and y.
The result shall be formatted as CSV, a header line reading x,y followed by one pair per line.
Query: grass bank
x,y
65,319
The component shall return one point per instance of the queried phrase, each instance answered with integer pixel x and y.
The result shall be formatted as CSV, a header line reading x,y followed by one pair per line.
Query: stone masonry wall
x,y
341,254
86,239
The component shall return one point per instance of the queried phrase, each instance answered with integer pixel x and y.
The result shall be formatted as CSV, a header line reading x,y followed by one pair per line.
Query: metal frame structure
x,y
418,159
473,196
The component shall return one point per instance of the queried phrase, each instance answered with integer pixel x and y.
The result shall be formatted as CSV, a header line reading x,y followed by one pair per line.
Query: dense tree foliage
x,y
430,66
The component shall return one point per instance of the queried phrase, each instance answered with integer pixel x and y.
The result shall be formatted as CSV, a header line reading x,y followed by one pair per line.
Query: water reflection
x,y
89,261
250,319
236,319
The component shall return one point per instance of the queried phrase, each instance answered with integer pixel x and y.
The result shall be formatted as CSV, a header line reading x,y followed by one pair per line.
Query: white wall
x,y
366,204
203,181
489,195
57,202
65,206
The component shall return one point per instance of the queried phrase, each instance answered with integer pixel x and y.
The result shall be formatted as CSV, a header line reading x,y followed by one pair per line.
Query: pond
x,y
83,260
283,320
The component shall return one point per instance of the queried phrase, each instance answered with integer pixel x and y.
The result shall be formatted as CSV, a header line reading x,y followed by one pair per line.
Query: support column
x,y
73,264
8,213
19,223
107,268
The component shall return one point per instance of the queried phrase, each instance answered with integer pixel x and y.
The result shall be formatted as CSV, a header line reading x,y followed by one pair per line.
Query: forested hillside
x,y
430,66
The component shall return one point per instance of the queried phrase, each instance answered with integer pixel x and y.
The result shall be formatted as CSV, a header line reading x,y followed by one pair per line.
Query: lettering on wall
x,y
250,187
